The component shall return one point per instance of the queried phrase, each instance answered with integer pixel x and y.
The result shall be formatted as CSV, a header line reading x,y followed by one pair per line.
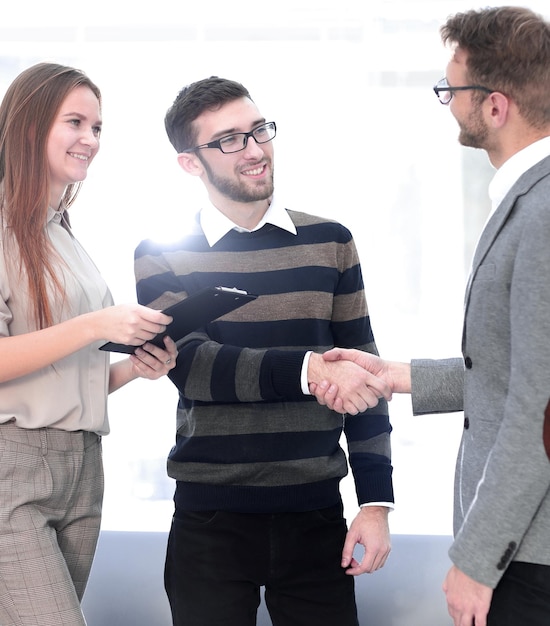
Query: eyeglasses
x,y
445,93
238,141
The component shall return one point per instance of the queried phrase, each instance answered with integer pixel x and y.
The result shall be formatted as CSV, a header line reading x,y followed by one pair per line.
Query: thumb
x,y
336,354
347,552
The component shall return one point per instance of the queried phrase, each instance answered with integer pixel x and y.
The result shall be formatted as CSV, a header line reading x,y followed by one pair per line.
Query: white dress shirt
x,y
508,173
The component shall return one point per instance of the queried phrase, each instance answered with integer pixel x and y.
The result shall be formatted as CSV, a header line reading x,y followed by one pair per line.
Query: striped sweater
x,y
248,439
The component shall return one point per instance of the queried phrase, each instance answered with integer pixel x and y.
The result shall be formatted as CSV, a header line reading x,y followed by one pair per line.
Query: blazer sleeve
x,y
437,385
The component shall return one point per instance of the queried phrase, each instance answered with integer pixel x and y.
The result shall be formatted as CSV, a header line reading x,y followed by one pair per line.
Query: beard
x,y
474,132
238,190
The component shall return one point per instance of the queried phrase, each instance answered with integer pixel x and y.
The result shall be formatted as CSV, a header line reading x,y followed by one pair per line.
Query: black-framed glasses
x,y
445,92
238,141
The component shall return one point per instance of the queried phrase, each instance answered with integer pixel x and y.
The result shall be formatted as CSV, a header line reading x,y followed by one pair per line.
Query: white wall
x,y
361,137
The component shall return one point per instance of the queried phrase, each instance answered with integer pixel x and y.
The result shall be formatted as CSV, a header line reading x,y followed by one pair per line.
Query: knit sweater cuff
x,y
283,368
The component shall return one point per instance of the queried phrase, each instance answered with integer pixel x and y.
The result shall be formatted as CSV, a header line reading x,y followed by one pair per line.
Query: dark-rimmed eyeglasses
x,y
238,141
445,92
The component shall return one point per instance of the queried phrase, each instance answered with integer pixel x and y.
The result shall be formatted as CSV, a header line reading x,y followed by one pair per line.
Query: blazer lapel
x,y
498,219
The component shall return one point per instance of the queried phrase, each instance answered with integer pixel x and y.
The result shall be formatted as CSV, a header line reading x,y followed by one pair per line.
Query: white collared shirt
x,y
216,225
508,173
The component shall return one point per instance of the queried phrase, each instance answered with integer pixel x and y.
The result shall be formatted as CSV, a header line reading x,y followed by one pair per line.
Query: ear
x,y
190,163
498,107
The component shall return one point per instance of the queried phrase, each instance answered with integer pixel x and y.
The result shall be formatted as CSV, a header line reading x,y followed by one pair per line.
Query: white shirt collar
x,y
216,225
508,173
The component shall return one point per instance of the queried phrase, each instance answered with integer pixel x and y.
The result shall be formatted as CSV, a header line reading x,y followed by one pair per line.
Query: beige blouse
x,y
70,394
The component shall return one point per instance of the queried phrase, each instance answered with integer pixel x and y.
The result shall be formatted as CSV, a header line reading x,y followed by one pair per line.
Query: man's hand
x,y
468,601
391,376
370,529
358,389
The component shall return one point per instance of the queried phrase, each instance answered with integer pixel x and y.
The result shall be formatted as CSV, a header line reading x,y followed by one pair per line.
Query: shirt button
x,y
466,423
468,363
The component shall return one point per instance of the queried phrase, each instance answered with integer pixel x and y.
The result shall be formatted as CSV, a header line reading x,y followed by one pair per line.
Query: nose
x,y
90,137
252,149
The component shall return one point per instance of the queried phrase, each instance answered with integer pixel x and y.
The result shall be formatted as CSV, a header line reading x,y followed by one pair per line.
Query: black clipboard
x,y
191,313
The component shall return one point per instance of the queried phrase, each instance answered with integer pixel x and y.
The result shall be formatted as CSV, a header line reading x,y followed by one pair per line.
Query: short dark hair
x,y
208,94
508,50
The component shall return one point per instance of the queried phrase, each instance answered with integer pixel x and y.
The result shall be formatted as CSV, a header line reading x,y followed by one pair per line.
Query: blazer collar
x,y
524,183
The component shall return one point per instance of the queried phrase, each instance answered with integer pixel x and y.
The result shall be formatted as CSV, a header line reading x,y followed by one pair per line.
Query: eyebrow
x,y
233,131
80,116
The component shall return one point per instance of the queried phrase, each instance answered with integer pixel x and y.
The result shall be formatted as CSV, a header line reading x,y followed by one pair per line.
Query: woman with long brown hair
x,y
55,311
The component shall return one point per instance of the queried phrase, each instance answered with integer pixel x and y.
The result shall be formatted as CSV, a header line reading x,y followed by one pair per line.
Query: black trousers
x,y
217,562
522,597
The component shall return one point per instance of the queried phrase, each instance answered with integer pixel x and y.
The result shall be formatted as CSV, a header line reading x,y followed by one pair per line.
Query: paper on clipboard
x,y
192,313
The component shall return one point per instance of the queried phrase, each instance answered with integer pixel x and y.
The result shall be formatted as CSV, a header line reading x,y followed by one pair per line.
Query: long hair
x,y
27,113
208,94
508,50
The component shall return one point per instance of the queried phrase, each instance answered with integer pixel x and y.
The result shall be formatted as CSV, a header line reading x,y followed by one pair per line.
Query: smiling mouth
x,y
80,157
254,172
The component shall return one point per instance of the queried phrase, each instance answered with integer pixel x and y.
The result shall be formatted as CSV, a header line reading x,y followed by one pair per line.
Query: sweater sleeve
x,y
208,371
368,434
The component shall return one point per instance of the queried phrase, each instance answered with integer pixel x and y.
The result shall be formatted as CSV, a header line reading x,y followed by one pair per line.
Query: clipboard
x,y
191,313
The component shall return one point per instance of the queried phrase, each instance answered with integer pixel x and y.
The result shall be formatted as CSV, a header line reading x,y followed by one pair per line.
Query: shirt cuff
x,y
389,505
303,377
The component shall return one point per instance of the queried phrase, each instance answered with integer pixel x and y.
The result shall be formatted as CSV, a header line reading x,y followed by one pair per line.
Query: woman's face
x,y
73,141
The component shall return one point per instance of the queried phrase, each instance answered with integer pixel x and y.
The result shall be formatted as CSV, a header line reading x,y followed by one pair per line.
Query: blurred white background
x,y
361,138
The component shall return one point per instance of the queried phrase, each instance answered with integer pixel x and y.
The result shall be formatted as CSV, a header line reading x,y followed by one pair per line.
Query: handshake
x,y
352,381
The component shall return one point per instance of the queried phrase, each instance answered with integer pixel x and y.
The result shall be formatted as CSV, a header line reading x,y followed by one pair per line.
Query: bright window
x,y
385,162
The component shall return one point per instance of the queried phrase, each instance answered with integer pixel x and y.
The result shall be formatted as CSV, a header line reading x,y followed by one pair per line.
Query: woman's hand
x,y
130,324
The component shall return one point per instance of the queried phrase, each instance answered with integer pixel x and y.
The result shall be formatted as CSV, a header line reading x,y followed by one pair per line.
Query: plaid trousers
x,y
51,492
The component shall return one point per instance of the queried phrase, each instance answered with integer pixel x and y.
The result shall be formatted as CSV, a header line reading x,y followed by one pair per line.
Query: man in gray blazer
x,y
497,87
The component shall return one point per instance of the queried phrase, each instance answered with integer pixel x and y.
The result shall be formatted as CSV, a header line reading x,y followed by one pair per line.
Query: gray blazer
x,y
502,480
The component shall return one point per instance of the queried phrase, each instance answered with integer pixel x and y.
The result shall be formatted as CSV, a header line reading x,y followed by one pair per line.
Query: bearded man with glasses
x,y
498,88
257,461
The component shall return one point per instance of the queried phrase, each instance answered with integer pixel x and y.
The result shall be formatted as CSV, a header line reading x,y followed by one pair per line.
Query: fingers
x,y
379,387
132,324
327,395
152,323
374,558
347,551
369,564
153,315
152,362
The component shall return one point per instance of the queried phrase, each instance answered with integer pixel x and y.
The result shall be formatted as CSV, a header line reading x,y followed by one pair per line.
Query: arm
x,y
216,365
29,352
436,386
369,452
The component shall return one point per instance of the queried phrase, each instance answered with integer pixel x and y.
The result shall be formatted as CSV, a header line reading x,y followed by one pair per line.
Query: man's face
x,y
467,110
244,176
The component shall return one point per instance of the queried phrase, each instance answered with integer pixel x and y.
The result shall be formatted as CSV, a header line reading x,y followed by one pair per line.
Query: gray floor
x,y
125,587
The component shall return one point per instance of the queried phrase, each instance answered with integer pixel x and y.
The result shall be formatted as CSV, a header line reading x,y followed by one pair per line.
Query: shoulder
x,y
535,182
193,238
308,223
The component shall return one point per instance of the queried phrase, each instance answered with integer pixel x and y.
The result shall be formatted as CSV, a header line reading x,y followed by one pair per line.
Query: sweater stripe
x,y
248,439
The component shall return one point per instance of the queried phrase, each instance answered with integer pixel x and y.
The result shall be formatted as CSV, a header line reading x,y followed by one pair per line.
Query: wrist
x,y
316,368
400,376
